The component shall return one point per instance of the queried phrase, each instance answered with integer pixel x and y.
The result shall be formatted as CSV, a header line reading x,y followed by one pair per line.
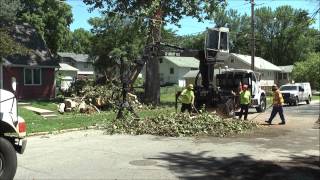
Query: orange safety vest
x,y
278,98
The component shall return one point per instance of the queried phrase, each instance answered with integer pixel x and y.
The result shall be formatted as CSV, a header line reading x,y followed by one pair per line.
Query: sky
x,y
192,26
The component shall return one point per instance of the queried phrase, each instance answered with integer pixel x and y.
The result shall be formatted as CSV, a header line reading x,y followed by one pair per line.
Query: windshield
x,y
288,88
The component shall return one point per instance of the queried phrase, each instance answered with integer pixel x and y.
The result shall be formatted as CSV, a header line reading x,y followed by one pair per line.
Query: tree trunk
x,y
152,84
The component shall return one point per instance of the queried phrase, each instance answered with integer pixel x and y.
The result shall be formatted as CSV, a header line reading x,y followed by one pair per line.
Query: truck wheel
x,y
263,105
296,101
308,100
8,160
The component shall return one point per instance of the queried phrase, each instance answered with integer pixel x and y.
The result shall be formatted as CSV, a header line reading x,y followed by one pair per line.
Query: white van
x,y
295,93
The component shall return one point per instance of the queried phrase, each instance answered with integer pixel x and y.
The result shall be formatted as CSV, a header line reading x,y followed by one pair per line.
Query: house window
x,y
171,70
86,65
161,60
192,69
232,60
32,76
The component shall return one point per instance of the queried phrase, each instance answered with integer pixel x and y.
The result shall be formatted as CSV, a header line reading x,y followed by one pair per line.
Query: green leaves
x,y
8,46
50,17
172,124
308,70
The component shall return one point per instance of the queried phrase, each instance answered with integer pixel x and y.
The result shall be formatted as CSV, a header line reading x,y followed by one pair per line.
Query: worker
x,y
277,105
245,99
187,99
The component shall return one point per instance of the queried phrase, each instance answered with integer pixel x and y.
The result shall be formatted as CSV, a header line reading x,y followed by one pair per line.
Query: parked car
x,y
295,93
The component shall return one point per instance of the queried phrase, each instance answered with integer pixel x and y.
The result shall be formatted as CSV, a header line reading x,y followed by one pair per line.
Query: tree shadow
x,y
191,166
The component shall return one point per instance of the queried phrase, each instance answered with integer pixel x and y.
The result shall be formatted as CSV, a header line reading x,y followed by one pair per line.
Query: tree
x,y
8,46
9,10
78,41
50,17
158,12
308,70
114,38
282,34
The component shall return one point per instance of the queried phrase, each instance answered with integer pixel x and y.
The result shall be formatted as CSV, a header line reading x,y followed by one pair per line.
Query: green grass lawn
x,y
315,97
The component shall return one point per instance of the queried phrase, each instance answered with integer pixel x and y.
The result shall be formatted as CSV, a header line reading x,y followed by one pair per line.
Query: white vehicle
x,y
230,80
295,93
12,134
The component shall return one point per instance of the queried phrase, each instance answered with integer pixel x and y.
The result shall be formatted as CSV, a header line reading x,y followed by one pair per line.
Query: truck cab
x,y
230,80
12,134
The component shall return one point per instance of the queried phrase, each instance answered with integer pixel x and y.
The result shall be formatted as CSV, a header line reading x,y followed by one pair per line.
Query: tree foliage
x,y
8,46
157,13
115,38
50,17
308,70
9,10
78,41
283,35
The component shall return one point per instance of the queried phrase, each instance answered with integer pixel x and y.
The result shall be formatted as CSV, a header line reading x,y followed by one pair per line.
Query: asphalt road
x,y
274,152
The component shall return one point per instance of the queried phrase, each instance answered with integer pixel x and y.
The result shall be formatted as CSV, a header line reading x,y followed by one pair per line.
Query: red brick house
x,y
34,71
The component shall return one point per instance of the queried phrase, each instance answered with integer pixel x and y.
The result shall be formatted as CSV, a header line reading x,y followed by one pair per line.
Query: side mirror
x,y
14,84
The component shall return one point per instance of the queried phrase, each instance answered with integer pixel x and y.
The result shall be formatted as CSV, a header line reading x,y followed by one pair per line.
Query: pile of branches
x,y
176,125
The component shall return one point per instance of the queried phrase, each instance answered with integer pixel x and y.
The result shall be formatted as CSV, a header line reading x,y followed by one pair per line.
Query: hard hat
x,y
190,86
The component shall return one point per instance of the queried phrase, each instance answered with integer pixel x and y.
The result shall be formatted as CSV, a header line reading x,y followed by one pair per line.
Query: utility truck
x,y
12,133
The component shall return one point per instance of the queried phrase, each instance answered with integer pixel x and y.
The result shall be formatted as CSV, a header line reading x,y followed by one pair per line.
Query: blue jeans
x,y
275,110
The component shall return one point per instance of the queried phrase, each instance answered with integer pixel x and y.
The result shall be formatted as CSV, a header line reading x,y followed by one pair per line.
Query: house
x,y
80,61
66,74
34,71
268,70
285,76
238,61
173,68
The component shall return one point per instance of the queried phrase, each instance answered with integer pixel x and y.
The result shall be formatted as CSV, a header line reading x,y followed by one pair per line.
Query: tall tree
x,y
78,41
9,10
50,17
157,11
114,38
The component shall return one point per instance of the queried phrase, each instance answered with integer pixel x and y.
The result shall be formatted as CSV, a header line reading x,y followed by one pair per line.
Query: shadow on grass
x,y
191,166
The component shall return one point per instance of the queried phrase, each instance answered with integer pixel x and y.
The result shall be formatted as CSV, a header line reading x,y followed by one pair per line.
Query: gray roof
x,y
259,63
67,67
286,69
191,74
38,53
74,56
180,61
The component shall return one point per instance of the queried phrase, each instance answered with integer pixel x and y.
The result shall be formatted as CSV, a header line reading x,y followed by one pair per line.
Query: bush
x,y
180,125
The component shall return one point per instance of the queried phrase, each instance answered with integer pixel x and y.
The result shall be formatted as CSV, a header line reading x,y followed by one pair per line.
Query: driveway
x,y
273,152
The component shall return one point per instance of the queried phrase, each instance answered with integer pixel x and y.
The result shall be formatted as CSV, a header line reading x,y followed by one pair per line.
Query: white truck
x,y
295,93
12,134
230,80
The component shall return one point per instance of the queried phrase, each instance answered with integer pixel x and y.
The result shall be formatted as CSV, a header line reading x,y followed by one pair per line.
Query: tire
x,y
308,100
263,104
8,160
296,101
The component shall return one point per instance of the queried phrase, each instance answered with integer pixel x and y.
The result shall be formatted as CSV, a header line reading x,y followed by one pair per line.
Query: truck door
x,y
301,94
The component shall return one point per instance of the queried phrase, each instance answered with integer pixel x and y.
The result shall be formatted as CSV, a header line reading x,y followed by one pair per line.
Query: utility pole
x,y
252,36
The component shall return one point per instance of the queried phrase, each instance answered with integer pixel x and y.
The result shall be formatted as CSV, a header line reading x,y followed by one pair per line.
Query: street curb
x,y
63,131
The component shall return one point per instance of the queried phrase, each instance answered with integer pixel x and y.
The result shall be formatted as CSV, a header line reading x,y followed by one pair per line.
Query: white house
x,y
66,74
267,69
173,68
80,61
285,76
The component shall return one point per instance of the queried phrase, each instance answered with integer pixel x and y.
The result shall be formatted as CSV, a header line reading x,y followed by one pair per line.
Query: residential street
x,y
274,152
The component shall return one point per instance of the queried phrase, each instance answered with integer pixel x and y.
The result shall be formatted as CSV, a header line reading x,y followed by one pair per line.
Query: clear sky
x,y
192,26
